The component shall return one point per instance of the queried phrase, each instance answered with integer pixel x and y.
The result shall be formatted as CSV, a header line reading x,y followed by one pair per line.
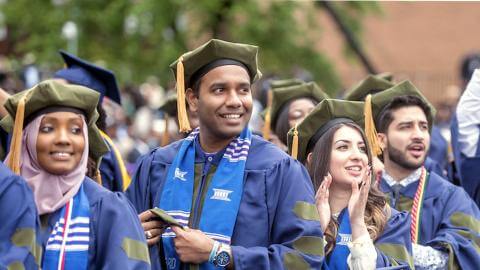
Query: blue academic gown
x,y
438,148
433,166
396,236
277,214
113,224
18,221
449,219
111,169
467,168
393,246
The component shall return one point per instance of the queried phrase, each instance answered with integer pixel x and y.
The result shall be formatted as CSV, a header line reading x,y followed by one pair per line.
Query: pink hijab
x,y
51,191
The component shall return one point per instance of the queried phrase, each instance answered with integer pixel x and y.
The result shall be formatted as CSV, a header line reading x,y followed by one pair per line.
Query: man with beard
x,y
373,84
445,221
241,202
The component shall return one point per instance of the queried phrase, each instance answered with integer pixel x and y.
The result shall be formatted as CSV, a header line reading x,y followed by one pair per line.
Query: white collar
x,y
415,176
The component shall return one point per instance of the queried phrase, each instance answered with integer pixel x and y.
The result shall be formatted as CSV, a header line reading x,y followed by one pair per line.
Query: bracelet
x,y
216,245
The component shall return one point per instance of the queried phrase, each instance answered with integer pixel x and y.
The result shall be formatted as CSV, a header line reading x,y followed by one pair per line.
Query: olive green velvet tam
x,y
169,105
325,115
404,88
281,96
217,49
193,65
372,84
285,83
51,93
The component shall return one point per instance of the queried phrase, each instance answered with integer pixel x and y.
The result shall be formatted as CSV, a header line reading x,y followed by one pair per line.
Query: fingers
x,y
147,215
322,192
355,189
153,224
179,231
328,181
154,240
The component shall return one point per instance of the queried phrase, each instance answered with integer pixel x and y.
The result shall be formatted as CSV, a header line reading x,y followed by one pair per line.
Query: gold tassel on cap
x,y
165,135
370,131
16,144
268,116
183,122
99,177
295,142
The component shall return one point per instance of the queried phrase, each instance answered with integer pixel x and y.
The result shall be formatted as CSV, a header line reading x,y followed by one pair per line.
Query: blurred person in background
x,y
289,102
114,175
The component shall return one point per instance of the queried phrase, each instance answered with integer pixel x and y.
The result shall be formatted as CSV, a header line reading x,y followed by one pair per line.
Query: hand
x,y
153,227
192,246
357,204
321,200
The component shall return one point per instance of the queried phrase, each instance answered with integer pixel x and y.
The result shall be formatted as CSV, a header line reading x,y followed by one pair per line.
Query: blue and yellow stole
x,y
67,246
337,259
222,199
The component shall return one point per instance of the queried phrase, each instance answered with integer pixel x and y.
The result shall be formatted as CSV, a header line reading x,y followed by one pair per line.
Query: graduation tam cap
x,y
193,65
81,72
169,107
285,83
372,84
169,104
328,113
281,96
405,88
50,94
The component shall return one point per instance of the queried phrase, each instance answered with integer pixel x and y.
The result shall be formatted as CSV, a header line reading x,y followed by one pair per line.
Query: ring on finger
x,y
148,235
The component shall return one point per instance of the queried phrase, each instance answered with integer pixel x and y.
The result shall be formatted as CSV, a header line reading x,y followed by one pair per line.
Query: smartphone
x,y
166,218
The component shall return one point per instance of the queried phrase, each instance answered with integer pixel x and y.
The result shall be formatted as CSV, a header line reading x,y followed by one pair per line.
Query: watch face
x,y
223,259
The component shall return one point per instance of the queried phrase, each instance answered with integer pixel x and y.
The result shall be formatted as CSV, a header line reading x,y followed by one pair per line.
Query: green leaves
x,y
138,39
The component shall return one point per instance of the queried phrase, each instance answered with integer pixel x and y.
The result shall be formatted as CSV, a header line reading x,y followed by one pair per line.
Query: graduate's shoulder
x,y
445,191
97,194
264,155
440,186
9,180
165,154
397,217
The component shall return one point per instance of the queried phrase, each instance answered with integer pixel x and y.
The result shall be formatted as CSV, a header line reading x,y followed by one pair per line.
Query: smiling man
x,y
445,221
247,204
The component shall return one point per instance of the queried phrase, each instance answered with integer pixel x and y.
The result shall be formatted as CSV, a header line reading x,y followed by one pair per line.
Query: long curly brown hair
x,y
376,210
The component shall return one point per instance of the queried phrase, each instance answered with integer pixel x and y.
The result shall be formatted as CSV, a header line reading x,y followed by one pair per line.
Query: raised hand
x,y
357,204
321,201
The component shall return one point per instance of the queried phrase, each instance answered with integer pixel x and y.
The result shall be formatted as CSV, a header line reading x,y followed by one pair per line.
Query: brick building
x,y
422,41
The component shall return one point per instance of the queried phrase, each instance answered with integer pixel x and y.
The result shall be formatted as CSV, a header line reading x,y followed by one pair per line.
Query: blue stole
x,y
222,199
338,257
67,246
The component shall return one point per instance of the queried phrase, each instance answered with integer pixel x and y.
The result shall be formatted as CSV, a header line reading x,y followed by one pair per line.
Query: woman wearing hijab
x,y
360,230
55,145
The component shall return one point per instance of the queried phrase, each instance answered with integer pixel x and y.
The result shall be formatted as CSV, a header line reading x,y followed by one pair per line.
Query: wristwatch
x,y
223,256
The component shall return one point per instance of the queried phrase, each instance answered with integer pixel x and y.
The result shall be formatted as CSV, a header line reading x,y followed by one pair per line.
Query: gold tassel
x,y
295,142
370,131
98,177
16,144
268,117
165,135
184,124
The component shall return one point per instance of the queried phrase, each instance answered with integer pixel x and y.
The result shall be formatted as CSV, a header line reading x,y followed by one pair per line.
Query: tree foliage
x,y
138,39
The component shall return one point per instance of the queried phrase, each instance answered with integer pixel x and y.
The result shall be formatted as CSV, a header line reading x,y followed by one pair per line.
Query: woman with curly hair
x,y
360,230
